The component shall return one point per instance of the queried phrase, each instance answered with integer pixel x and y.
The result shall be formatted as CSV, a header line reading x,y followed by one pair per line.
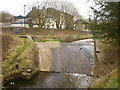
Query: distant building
x,y
50,23
22,23
53,18
20,17
9,19
17,21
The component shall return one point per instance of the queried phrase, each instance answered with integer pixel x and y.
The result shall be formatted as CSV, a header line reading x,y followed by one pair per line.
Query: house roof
x,y
20,17
50,13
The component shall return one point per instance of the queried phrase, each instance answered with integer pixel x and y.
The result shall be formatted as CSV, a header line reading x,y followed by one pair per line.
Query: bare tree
x,y
3,15
64,13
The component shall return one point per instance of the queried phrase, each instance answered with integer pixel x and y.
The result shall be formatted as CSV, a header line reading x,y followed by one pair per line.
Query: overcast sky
x,y
15,7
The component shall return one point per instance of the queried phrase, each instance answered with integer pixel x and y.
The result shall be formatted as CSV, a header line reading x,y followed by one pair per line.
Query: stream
x,y
70,67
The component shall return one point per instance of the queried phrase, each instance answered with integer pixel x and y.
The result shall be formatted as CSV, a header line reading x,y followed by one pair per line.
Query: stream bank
x,y
21,61
74,71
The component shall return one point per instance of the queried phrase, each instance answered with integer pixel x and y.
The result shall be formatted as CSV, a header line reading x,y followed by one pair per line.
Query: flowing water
x,y
71,67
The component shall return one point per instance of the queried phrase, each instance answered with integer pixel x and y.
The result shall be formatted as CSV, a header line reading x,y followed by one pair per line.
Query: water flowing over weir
x,y
62,65
67,57
75,59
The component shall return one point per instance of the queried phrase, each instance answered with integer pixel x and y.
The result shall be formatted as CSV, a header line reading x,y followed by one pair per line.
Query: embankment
x,y
20,60
106,67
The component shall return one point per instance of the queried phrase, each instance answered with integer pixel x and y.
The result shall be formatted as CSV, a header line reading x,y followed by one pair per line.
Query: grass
x,y
107,58
105,68
113,81
49,32
7,42
60,38
109,81
19,59
47,39
86,36
60,35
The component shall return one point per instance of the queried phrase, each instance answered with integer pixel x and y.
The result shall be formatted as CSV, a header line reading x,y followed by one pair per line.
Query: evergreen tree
x,y
106,21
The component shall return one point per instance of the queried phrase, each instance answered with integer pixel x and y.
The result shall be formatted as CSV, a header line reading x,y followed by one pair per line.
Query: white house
x,y
50,23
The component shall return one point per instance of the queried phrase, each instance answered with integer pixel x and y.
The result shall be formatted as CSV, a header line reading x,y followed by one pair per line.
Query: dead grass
x,y
19,59
109,81
52,32
60,38
107,59
7,42
62,35
41,31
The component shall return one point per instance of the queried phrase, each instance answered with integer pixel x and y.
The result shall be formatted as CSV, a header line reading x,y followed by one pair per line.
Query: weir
x,y
62,65
74,57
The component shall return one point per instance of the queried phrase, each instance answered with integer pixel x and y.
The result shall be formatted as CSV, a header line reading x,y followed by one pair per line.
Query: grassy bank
x,y
42,31
61,35
109,81
106,67
60,38
107,58
20,61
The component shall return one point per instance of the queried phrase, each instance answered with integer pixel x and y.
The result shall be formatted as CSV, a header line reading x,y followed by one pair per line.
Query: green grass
x,y
20,50
22,55
12,56
110,81
113,81
59,38
47,39
86,36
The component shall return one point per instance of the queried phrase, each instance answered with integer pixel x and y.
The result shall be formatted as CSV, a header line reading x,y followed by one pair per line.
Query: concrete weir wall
x,y
45,54
71,57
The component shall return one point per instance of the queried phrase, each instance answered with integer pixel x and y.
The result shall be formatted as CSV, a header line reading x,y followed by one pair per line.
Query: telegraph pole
x,y
24,15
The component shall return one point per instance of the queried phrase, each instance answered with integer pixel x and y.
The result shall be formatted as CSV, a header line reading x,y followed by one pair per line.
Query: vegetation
x,y
3,15
21,61
105,21
106,68
63,13
19,55
107,59
104,25
109,81
57,35
7,42
47,39
61,38
64,35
